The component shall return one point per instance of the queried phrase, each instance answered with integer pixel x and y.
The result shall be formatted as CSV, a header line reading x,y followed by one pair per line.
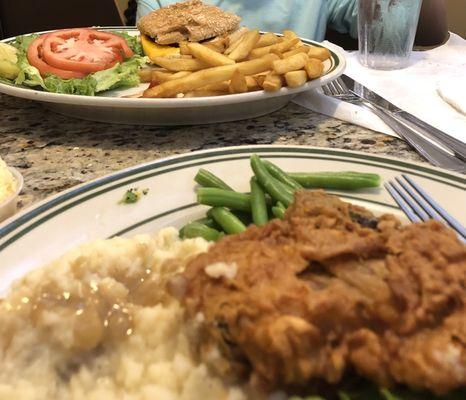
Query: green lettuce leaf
x,y
85,86
120,75
123,74
28,75
22,42
134,42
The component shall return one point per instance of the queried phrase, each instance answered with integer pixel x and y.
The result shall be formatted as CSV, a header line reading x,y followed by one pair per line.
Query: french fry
x,y
208,56
245,46
267,39
234,40
252,84
300,49
277,52
260,78
320,53
180,64
235,36
217,47
159,77
217,87
233,46
272,82
184,48
203,93
145,74
293,63
238,83
281,47
217,44
208,76
314,68
295,79
288,34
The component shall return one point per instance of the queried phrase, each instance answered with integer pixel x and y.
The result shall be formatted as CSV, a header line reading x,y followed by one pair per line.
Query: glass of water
x,y
386,32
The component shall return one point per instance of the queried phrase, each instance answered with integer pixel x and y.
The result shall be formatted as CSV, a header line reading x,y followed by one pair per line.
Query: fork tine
x,y
331,88
439,210
392,189
326,90
336,89
415,202
340,87
343,85
339,90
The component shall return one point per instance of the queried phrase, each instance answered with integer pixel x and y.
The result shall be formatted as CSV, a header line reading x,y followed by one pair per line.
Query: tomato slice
x,y
34,55
84,50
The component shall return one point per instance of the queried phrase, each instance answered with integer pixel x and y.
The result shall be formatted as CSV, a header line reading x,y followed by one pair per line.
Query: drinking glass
x,y
386,32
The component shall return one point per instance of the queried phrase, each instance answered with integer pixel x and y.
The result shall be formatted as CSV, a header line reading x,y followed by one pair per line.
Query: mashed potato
x,y
8,182
99,324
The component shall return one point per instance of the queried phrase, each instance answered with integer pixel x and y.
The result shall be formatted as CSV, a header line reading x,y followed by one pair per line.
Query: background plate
x,y
90,211
109,107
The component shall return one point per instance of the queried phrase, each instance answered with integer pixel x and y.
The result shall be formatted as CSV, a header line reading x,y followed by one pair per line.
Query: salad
x,y
80,61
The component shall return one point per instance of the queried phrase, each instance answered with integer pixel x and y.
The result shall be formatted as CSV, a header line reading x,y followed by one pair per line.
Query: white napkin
x,y
414,89
453,91
316,100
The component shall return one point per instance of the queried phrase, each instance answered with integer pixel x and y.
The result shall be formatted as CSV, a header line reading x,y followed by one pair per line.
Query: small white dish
x,y
8,207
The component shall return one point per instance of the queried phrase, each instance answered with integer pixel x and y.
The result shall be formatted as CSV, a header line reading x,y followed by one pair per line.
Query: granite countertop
x,y
55,152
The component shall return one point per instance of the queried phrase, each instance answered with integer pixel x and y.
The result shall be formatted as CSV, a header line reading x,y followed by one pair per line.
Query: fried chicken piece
x,y
332,289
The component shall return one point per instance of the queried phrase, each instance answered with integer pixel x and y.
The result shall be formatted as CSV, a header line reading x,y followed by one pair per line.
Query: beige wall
x,y
456,14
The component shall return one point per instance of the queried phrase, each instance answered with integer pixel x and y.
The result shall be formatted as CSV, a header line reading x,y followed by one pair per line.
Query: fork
x,y
434,153
419,206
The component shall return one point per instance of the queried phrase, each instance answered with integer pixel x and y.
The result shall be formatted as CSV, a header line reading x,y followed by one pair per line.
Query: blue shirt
x,y
308,18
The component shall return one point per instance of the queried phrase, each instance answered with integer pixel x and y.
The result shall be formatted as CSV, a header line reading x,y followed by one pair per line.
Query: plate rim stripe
x,y
192,205
157,164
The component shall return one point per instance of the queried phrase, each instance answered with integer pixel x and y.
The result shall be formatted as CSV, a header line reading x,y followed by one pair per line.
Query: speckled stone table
x,y
54,152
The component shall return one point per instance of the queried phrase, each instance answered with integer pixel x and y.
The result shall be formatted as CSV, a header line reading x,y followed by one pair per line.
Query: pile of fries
x,y
243,61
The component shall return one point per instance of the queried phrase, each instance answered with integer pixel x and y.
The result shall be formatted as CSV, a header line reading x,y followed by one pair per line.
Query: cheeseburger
x,y
164,29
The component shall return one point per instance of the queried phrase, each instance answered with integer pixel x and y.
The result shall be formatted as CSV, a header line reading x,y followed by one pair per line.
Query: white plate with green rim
x,y
112,107
90,211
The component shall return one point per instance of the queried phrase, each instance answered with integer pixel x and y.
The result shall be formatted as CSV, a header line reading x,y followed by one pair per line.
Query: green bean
x,y
207,221
336,180
243,216
195,229
275,188
227,220
204,221
258,204
281,175
224,198
208,179
279,204
278,212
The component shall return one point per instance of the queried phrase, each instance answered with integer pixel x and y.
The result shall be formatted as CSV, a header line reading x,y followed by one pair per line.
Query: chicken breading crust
x,y
323,292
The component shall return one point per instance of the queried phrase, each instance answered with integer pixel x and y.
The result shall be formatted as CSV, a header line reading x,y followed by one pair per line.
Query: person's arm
x,y
432,28
343,16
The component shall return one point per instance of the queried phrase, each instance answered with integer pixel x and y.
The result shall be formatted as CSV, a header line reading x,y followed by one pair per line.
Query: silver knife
x,y
436,135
